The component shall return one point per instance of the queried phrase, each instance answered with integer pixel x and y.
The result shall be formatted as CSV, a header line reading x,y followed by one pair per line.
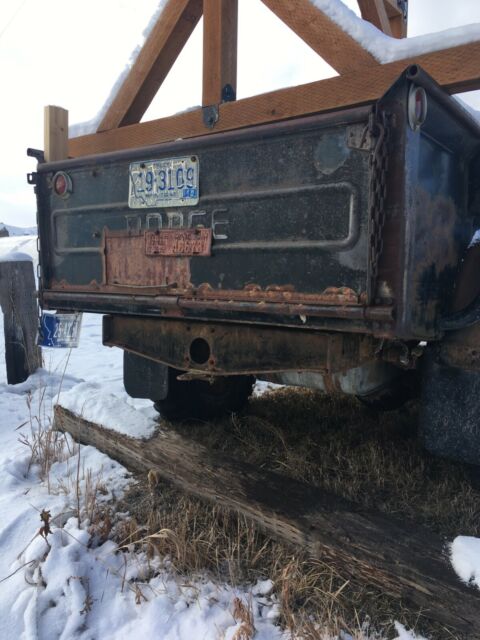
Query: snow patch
x,y
16,256
404,634
476,236
465,559
18,231
94,404
19,244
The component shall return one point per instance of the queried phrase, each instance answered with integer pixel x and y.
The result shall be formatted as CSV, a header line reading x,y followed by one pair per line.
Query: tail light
x,y
417,107
62,184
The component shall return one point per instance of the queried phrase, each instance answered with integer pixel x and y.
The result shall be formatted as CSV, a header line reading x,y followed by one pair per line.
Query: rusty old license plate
x,y
178,242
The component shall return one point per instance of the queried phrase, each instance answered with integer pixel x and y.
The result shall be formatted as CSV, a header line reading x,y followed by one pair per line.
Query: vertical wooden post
x,y
20,319
220,26
386,15
55,133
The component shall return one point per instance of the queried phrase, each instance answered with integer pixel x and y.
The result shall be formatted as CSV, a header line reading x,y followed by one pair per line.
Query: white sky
x,y
70,52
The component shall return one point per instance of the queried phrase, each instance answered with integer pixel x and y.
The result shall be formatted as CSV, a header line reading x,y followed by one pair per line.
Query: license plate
x,y
178,242
59,330
171,182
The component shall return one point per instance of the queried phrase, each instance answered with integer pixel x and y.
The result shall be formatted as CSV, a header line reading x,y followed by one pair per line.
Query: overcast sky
x,y
69,53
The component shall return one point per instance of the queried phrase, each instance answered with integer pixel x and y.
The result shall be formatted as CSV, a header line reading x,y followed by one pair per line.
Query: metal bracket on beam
x,y
228,93
210,116
403,6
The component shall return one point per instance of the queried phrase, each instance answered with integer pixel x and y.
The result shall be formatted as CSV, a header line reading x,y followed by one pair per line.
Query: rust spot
x,y
285,293
63,285
128,264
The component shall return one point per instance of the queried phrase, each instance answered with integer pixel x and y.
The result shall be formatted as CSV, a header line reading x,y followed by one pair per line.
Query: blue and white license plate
x,y
171,182
60,330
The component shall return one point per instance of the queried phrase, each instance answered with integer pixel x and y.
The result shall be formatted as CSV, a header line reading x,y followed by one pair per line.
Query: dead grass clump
x,y
244,615
192,537
337,444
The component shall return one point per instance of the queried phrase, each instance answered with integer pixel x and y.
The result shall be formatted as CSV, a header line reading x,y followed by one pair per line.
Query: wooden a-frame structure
x,y
361,77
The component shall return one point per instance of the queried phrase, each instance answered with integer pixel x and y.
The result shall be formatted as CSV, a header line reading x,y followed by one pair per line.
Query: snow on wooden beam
x,y
455,69
323,35
220,28
162,47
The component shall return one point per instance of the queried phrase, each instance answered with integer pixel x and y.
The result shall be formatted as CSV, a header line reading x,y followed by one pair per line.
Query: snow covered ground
x,y
18,231
63,586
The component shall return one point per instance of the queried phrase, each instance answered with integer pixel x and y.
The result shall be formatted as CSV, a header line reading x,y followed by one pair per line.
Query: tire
x,y
449,422
202,400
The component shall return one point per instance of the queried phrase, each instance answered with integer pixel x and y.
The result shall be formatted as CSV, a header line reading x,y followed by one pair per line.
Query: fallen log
x,y
401,558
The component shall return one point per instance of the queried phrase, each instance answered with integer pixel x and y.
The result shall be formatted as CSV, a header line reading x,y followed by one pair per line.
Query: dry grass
x,y
338,444
46,445
373,459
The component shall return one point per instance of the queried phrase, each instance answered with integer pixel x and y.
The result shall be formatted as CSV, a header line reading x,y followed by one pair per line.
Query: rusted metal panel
x,y
275,293
219,349
127,263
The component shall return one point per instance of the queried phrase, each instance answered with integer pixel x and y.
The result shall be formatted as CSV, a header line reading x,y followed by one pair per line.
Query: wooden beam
x,y
392,8
401,558
374,11
456,69
322,34
398,24
55,132
157,56
220,28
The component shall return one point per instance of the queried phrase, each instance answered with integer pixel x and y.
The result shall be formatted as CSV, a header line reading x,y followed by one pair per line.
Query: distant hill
x,y
16,231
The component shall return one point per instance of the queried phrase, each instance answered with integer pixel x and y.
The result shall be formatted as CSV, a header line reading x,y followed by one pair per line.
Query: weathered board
x,y
20,318
401,558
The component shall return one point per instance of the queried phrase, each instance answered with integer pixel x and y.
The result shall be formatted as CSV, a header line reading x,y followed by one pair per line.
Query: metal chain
x,y
378,193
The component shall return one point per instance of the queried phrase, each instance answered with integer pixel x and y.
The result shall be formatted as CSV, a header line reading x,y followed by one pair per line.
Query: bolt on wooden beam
x,y
220,28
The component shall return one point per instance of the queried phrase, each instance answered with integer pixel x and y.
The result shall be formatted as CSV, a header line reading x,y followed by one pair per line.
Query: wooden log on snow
x,y
20,319
401,558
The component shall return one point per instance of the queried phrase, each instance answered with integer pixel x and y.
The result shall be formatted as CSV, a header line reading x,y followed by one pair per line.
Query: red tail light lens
x,y
62,184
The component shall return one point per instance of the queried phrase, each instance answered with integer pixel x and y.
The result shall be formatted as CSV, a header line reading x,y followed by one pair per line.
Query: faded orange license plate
x,y
178,242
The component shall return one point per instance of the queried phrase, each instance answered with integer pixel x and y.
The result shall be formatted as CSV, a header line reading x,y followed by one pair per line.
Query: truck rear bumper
x,y
211,348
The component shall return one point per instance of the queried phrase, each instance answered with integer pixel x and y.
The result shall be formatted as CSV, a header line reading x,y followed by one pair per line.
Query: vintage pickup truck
x,y
332,251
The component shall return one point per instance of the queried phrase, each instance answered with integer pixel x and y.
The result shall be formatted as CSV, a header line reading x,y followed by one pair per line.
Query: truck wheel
x,y
202,400
449,422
